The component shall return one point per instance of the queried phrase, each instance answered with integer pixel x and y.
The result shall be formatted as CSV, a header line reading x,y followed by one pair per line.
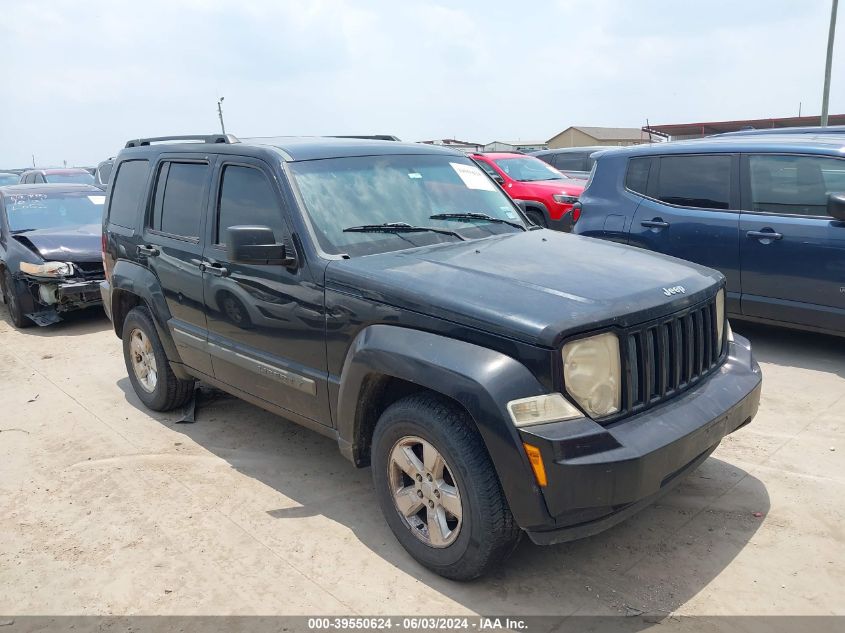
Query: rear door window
x,y
179,198
795,185
127,192
700,181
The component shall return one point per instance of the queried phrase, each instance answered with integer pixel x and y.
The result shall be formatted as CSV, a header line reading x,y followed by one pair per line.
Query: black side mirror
x,y
257,245
836,206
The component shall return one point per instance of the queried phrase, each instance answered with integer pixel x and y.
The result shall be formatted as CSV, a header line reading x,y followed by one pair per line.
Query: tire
x,y
16,298
537,217
159,389
485,533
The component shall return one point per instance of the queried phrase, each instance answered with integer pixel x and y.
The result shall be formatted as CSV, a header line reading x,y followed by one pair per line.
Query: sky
x,y
81,78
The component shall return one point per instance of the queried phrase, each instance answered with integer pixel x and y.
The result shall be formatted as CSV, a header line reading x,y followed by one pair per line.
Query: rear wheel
x,y
15,297
438,490
146,363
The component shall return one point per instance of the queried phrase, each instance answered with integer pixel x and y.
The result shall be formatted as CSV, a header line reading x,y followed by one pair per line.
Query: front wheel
x,y
15,298
537,217
438,489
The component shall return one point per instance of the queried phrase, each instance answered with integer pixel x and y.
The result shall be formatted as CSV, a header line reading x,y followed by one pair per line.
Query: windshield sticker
x,y
511,215
473,177
25,200
97,199
414,175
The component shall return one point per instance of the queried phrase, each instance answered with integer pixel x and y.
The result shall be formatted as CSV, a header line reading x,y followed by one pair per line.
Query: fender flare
x,y
140,281
481,380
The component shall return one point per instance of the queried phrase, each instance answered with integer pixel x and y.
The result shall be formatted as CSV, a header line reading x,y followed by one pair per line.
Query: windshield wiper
x,y
399,227
473,215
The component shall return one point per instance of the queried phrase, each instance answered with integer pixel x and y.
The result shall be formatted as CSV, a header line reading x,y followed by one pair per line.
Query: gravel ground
x,y
107,508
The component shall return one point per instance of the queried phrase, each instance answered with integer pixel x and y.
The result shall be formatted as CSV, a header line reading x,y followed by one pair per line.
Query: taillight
x,y
103,244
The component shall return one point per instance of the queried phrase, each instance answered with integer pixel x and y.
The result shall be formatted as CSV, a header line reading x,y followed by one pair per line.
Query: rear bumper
x,y
105,295
599,476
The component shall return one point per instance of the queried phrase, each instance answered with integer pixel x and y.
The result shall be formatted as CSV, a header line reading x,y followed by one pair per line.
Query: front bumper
x,y
598,476
74,295
564,223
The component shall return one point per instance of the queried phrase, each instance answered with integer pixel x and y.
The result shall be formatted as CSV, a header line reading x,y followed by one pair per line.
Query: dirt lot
x,y
106,508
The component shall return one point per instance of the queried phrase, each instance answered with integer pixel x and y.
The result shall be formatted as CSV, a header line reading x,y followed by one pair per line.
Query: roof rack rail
x,y
366,137
202,138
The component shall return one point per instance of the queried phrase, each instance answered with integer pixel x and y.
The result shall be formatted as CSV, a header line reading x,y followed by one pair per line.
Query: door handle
x,y
148,251
656,223
215,269
764,235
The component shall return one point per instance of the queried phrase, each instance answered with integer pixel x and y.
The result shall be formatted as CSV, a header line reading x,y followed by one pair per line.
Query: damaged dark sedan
x,y
50,250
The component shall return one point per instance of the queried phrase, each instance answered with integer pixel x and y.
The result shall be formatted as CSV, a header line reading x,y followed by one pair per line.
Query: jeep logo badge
x,y
674,290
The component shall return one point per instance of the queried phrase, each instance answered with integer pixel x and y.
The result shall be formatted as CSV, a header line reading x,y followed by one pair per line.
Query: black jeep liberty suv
x,y
498,378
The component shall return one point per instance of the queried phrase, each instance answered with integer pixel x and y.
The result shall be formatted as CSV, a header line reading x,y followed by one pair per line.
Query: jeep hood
x,y
536,286
65,244
569,185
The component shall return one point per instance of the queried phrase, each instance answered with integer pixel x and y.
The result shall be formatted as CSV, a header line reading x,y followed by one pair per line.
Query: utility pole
x,y
220,111
829,62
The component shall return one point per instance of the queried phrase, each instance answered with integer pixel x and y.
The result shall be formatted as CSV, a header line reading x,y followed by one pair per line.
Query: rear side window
x,y
127,192
571,162
179,199
247,198
636,177
700,181
796,185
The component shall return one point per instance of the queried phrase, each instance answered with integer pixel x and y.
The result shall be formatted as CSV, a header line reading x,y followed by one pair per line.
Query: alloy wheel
x,y
143,360
424,491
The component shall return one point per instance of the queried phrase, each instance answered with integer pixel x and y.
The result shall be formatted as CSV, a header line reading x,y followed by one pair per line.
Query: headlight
x,y
538,409
564,198
48,269
592,373
720,316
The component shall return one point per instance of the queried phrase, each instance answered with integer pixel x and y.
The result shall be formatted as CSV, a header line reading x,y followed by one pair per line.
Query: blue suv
x,y
768,211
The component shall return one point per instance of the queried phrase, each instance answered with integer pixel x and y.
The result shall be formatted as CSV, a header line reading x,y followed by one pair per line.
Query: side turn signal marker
x,y
537,466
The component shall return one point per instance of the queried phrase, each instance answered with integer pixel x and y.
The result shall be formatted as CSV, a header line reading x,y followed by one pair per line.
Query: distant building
x,y
680,131
582,136
464,146
515,146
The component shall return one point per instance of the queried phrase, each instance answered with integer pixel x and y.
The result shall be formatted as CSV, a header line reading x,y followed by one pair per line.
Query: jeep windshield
x,y
528,169
439,191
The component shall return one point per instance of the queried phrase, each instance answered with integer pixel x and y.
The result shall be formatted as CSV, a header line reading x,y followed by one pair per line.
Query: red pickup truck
x,y
548,195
